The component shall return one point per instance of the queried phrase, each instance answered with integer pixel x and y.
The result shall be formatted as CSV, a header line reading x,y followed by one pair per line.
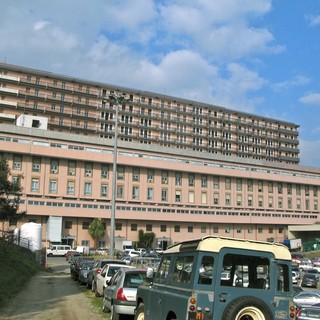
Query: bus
x,y
219,278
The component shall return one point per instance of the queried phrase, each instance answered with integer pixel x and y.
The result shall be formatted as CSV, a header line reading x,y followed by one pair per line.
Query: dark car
x,y
84,270
120,293
77,266
308,313
96,269
309,280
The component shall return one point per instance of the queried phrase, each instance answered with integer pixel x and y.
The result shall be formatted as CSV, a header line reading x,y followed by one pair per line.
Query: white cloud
x,y
313,20
39,25
285,85
312,99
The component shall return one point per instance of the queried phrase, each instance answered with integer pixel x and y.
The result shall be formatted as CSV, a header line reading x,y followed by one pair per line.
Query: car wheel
x,y
139,315
113,314
88,285
96,293
105,309
93,286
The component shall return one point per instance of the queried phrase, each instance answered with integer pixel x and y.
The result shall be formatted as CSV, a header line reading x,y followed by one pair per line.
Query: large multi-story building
x,y
184,168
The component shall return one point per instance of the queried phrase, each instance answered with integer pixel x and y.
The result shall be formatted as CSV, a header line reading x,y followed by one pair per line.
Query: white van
x,y
58,250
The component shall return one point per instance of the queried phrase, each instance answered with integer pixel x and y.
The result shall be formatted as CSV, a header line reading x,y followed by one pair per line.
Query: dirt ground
x,y
51,296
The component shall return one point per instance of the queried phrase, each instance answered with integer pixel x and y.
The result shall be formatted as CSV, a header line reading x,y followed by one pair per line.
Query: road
x,y
51,296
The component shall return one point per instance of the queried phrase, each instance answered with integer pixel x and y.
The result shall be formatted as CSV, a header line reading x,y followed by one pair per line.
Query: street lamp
x,y
117,99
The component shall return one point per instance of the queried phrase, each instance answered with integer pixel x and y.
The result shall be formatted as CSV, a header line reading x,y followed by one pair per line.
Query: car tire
x,y
251,307
105,309
96,293
88,285
139,315
113,314
93,286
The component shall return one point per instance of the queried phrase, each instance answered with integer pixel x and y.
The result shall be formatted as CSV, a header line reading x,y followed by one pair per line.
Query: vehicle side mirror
x,y
150,273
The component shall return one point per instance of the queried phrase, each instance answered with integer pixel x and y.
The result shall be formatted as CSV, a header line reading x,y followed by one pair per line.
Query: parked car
x,y
84,270
314,271
305,266
308,313
294,277
77,266
309,280
106,274
96,269
132,253
102,250
306,298
120,293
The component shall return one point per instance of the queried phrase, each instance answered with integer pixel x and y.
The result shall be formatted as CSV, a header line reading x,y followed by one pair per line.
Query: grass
x,y
17,267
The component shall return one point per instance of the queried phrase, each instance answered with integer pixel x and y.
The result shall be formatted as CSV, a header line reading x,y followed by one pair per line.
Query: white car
x,y
132,253
295,277
106,274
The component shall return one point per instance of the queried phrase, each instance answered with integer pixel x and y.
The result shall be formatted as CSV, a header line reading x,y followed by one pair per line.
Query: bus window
x,y
245,271
183,268
206,270
163,269
283,278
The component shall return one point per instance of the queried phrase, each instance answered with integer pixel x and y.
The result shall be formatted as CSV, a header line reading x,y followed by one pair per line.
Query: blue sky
x,y
257,56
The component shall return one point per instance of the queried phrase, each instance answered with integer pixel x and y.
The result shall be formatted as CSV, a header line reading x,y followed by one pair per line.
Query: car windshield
x,y
134,279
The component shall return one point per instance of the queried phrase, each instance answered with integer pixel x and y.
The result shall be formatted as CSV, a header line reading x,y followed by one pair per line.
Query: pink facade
x,y
185,169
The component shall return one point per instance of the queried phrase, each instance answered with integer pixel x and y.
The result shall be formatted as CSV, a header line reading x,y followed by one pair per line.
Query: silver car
x,y
120,293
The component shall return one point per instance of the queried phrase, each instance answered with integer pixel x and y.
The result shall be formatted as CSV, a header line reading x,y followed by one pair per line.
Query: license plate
x,y
199,316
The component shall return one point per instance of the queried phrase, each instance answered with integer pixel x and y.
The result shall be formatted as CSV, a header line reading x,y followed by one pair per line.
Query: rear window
x,y
134,280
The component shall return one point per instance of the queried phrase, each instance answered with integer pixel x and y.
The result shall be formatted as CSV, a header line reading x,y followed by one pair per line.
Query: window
x,y
118,226
279,187
260,186
216,198
87,188
68,224
88,169
71,168
164,195
150,194
35,185
289,203
136,174
120,173
190,229
239,184
191,197
206,270
280,201
228,184
289,188
250,201
70,187
85,225
203,197
307,190
260,201
176,228
148,227
228,199
104,171
204,181
178,179
183,269
36,163
216,182
298,203
203,229
191,180
163,228
134,227
298,189
104,190
239,200
150,175
135,193
178,195
120,191
270,187
54,166
270,202
250,185
17,162
53,186
164,177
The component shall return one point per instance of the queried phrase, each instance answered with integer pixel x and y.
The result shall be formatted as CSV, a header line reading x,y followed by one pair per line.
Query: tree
x,y
10,194
96,230
146,239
